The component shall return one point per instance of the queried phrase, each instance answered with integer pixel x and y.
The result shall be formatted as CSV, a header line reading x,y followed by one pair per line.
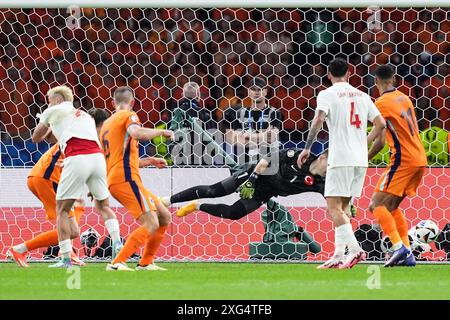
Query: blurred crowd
x,y
157,51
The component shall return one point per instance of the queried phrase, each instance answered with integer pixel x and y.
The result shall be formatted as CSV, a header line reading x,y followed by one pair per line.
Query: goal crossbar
x,y
221,3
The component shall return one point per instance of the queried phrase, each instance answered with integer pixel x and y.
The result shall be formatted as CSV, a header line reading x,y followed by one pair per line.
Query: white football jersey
x,y
67,122
348,110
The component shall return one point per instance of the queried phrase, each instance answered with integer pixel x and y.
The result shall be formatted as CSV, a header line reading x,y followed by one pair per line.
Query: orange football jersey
x,y
402,133
121,150
49,165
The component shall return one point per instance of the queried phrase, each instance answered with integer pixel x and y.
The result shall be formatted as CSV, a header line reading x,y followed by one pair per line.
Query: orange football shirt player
x,y
406,169
119,137
43,181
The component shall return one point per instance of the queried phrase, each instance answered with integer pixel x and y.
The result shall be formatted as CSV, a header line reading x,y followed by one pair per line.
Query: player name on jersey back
x,y
348,110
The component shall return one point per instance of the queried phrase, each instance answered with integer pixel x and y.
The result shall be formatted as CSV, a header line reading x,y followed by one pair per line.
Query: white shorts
x,y
81,170
344,181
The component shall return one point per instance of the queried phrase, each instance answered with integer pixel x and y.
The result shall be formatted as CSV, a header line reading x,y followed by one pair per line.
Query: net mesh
x,y
156,51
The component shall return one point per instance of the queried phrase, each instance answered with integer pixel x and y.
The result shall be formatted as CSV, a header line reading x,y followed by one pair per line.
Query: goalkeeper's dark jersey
x,y
289,180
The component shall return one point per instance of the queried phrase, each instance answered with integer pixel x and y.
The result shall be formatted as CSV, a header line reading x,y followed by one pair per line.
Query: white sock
x,y
339,241
65,247
112,225
20,248
350,239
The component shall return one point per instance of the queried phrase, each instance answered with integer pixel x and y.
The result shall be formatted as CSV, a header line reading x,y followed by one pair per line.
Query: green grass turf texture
x,y
225,281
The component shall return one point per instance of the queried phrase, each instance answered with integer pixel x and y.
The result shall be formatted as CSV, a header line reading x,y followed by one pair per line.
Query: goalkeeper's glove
x,y
353,210
247,189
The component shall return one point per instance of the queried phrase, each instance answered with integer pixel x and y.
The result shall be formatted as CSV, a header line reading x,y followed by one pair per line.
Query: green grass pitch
x,y
226,281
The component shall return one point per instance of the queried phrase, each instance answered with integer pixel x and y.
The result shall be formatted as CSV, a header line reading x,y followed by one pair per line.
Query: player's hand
x,y
169,134
152,161
304,155
246,190
159,163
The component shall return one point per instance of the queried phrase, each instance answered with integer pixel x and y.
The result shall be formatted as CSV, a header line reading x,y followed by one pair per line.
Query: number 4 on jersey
x,y
354,117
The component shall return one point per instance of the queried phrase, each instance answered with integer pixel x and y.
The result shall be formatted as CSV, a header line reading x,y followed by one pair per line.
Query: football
x,y
426,231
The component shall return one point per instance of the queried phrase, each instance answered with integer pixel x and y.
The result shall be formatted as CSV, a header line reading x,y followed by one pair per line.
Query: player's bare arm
x,y
152,161
141,133
378,136
379,128
261,166
316,126
40,133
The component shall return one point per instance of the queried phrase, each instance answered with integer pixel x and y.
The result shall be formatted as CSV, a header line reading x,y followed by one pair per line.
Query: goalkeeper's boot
x,y
397,255
119,266
116,247
62,263
76,261
410,261
150,267
18,258
187,209
333,263
352,259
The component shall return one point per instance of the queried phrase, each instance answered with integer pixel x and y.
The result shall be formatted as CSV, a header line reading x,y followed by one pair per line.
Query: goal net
x,y
156,51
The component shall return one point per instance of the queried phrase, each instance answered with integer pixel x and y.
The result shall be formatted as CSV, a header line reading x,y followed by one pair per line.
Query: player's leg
x,y
154,240
342,184
390,191
65,232
74,220
220,189
77,170
416,175
45,191
343,230
388,194
355,254
382,206
235,211
98,187
131,196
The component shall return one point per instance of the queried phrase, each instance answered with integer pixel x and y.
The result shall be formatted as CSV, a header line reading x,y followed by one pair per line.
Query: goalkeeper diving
x,y
256,185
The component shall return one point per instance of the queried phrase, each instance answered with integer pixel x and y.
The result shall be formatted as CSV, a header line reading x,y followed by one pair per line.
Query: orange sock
x,y
49,238
402,226
151,246
134,242
387,223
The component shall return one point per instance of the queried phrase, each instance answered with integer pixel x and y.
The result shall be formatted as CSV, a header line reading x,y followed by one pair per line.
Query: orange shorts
x,y
134,197
45,191
400,181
